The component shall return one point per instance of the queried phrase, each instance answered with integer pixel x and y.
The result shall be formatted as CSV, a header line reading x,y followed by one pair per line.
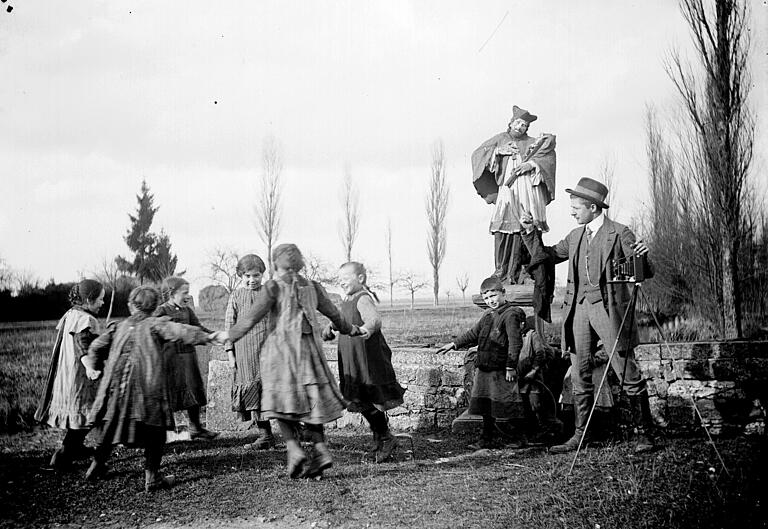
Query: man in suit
x,y
594,307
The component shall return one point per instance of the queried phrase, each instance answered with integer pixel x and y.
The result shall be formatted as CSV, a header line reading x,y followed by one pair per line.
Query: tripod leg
x,y
690,396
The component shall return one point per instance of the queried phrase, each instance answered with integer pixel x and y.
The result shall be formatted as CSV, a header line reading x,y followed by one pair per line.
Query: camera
x,y
630,269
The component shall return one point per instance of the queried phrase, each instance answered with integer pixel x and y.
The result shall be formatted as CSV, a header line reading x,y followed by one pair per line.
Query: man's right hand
x,y
526,221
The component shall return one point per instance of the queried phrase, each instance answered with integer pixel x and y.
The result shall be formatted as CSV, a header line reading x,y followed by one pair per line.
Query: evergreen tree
x,y
152,257
161,263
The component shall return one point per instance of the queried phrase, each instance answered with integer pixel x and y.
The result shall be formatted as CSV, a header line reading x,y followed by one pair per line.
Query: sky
x,y
98,96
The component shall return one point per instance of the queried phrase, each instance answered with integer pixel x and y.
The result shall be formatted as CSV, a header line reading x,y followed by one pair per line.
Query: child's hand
x,y
92,374
365,333
219,337
530,375
511,374
356,331
327,334
445,348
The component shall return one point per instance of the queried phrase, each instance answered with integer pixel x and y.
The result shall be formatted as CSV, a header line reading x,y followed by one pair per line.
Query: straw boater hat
x,y
591,190
520,113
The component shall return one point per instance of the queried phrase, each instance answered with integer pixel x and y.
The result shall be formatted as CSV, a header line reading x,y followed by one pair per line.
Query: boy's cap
x,y
491,283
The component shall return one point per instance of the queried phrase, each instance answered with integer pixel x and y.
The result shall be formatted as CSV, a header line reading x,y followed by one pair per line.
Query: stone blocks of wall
x,y
434,390
726,380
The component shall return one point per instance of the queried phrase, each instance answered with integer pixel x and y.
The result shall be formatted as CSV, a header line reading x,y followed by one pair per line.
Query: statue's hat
x,y
521,113
591,190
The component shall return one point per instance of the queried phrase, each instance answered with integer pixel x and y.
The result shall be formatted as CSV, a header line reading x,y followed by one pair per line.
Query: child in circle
x,y
297,385
133,405
497,335
244,357
366,376
68,393
185,381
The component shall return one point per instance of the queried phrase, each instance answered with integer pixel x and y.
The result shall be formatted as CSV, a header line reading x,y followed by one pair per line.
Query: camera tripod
x,y
627,322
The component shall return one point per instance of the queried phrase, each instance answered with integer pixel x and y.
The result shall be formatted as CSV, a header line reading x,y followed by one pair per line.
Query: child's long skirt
x,y
492,395
308,393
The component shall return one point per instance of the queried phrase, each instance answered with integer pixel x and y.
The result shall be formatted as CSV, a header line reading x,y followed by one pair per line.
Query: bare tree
x,y
318,270
392,279
607,174
350,222
25,282
222,268
6,276
108,275
412,282
462,282
723,127
437,207
268,208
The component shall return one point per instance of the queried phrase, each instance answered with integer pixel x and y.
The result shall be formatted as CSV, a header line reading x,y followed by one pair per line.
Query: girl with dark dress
x,y
133,404
366,376
185,381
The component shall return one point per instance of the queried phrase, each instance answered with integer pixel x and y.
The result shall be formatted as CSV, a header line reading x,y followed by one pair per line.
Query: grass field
x,y
439,484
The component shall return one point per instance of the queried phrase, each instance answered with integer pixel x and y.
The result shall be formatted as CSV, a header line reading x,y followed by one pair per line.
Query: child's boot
x,y
377,421
387,441
60,460
320,461
154,480
265,440
296,458
487,438
388,446
196,430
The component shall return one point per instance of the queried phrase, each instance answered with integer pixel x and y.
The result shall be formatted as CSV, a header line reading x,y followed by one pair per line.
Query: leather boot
x,y
154,481
296,458
641,416
582,405
320,461
265,440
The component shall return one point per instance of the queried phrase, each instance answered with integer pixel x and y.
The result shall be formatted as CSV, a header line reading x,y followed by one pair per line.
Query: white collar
x,y
596,223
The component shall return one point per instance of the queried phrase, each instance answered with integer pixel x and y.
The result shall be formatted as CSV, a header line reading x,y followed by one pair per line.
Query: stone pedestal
x,y
466,422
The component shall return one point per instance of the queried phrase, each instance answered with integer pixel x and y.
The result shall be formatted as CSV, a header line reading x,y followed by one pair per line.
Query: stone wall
x,y
434,384
727,380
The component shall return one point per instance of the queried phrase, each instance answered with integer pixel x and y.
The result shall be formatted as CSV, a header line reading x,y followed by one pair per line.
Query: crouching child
x,y
538,400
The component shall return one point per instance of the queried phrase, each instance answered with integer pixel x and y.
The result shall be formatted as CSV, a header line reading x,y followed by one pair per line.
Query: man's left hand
x,y
640,247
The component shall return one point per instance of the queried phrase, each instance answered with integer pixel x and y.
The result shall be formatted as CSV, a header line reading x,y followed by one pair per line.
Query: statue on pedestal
x,y
516,173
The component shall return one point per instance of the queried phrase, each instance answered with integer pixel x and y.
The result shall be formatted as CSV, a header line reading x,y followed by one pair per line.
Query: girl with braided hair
x,y
68,393
366,375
